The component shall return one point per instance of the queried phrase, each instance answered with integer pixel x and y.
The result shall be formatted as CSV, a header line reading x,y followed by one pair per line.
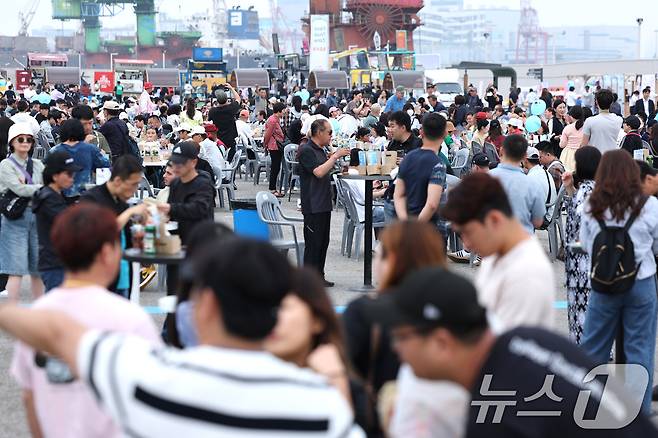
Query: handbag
x,y
13,206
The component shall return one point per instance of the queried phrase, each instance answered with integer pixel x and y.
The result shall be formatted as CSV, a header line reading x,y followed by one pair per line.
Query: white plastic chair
x,y
229,175
269,211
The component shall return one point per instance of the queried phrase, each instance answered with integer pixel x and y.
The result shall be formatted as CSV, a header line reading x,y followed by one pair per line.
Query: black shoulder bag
x,y
13,206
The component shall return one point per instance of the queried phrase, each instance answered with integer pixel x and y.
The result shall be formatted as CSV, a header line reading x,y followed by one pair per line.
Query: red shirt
x,y
273,132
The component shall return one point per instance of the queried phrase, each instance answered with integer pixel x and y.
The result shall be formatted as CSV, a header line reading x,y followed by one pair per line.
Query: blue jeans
x,y
19,245
52,278
637,309
389,211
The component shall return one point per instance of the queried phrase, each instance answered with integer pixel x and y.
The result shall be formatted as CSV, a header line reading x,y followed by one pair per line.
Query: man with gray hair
x,y
372,118
315,182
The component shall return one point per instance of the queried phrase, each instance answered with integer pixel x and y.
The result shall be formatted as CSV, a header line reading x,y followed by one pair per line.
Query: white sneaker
x,y
461,256
4,294
477,261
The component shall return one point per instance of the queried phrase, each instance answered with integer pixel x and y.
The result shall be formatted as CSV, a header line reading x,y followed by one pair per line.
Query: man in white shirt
x,y
243,126
515,281
23,116
602,130
530,97
571,97
29,92
228,386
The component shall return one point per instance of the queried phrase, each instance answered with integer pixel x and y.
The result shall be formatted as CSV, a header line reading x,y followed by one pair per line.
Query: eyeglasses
x,y
25,140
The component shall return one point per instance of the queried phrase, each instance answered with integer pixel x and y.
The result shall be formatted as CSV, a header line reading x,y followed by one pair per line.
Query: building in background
x,y
593,43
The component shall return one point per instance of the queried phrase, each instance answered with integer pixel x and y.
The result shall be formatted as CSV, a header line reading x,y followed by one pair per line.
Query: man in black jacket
x,y
114,194
645,104
191,194
115,130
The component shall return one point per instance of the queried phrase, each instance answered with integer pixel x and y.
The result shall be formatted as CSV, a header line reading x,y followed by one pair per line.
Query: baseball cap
x,y
273,100
60,161
515,121
633,122
532,153
111,105
481,160
481,115
430,297
210,127
184,151
332,109
198,130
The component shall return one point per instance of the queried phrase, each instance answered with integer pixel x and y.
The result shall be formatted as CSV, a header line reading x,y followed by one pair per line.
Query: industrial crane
x,y
26,16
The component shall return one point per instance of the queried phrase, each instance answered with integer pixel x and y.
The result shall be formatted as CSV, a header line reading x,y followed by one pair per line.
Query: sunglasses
x,y
25,140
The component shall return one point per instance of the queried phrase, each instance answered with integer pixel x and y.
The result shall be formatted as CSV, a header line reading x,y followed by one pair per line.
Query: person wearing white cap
x,y
542,178
20,176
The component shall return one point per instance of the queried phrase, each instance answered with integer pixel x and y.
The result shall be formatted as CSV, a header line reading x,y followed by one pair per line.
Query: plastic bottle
x,y
149,239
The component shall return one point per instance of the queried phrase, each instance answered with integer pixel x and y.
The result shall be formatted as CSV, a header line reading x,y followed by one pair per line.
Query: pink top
x,y
273,133
70,409
571,137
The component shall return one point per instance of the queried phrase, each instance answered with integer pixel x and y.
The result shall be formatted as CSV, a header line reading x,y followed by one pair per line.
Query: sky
x,y
551,13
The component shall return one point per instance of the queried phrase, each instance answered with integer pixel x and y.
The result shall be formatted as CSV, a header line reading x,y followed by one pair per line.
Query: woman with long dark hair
x,y
191,116
617,197
578,186
572,136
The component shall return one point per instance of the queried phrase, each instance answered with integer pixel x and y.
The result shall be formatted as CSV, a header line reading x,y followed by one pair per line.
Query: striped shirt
x,y
208,391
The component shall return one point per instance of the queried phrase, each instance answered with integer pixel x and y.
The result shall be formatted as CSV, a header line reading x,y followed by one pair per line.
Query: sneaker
x,y
461,256
4,294
477,261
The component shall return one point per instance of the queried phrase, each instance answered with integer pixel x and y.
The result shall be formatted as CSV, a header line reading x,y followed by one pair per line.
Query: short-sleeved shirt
x,y
603,130
68,408
223,117
539,378
412,142
208,391
525,196
419,169
315,192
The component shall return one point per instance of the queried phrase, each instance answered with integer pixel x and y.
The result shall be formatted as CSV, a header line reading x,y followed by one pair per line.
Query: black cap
x,y
184,151
60,161
481,160
430,297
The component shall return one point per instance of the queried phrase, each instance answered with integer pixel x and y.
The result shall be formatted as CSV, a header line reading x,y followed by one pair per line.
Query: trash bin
x,y
246,221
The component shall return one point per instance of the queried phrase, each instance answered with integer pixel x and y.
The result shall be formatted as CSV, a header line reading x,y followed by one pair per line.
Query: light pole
x,y
164,59
112,55
655,49
639,37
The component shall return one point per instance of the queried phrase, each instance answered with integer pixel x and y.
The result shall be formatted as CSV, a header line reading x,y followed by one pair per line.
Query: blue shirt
x,y
394,104
88,157
419,169
525,196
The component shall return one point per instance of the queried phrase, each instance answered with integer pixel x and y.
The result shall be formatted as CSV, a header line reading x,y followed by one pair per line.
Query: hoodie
x,y
46,205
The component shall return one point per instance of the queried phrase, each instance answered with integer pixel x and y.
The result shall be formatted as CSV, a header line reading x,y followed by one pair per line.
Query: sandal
x,y
278,194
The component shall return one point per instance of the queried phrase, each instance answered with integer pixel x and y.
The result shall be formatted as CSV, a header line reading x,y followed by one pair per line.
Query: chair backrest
x,y
340,199
646,145
460,161
236,159
269,209
350,204
144,185
290,153
476,147
491,153
451,182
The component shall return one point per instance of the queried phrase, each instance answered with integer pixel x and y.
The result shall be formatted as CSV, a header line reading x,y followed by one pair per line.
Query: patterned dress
x,y
576,264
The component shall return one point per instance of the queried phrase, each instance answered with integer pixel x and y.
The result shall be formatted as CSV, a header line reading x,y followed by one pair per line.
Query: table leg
x,y
134,284
367,244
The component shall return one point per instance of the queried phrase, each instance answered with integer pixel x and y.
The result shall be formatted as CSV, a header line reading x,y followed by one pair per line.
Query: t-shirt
x,y
412,142
224,119
542,178
428,408
315,192
69,409
88,157
519,287
209,391
420,168
533,379
191,203
603,130
525,196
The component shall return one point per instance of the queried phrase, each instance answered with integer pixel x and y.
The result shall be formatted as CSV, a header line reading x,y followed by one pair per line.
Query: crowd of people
x,y
255,347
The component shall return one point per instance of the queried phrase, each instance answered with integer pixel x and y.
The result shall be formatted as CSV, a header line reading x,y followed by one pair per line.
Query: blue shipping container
x,y
207,54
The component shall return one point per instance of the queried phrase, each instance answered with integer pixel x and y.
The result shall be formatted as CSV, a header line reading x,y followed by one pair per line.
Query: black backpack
x,y
613,258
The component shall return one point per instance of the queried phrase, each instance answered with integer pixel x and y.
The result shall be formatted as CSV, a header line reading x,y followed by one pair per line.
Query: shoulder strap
x,y
633,216
548,181
26,173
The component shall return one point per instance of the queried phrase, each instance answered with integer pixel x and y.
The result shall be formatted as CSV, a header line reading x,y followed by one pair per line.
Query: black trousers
x,y
316,238
275,167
